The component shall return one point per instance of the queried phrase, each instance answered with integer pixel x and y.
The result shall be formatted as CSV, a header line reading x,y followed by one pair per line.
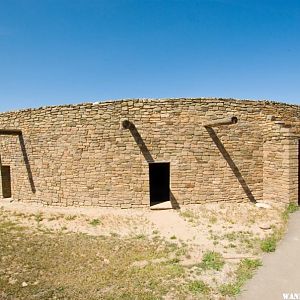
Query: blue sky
x,y
71,51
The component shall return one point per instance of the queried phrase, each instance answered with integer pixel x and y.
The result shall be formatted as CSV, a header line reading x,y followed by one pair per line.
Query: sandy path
x,y
169,223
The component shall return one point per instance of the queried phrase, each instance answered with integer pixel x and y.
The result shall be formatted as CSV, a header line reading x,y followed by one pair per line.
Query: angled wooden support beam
x,y
10,132
126,124
221,122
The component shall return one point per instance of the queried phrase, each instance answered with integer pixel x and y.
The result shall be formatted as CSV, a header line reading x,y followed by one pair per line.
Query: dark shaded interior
x,y
159,178
6,181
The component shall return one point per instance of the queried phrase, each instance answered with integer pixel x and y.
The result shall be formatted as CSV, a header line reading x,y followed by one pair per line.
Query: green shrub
x,y
268,244
39,217
95,222
140,236
212,260
243,273
230,289
292,207
246,268
198,286
70,217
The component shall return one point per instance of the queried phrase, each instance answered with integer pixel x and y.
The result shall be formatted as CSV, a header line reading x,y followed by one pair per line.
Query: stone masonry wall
x,y
80,155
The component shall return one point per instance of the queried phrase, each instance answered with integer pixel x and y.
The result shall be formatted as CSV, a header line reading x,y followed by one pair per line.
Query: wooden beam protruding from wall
x,y
10,132
220,122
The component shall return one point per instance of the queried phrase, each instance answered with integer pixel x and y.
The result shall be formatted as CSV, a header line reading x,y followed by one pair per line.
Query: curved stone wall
x,y
81,154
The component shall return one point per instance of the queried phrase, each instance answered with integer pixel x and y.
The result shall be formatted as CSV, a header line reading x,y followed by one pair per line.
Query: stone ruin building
x,y
136,153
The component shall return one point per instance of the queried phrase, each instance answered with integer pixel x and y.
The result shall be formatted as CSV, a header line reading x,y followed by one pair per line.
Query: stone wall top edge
x,y
150,100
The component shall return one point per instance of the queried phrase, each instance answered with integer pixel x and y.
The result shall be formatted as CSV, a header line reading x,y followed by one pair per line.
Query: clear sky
x,y
71,51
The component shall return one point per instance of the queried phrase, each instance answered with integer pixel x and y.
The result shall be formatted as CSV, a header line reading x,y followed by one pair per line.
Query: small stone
x,y
262,205
24,284
12,280
140,264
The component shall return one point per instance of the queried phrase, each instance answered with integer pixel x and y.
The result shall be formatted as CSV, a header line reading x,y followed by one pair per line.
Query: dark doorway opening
x,y
159,179
6,181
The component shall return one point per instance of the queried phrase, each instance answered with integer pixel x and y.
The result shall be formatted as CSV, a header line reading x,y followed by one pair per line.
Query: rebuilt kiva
x,y
136,153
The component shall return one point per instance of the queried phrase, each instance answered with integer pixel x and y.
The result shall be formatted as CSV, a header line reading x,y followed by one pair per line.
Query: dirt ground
x,y
232,230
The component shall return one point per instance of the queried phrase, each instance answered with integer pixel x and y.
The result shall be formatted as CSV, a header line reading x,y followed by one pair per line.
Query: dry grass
x,y
42,259
55,265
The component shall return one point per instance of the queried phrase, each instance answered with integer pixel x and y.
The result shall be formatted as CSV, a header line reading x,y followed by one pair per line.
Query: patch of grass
x,y
140,236
175,260
229,289
175,268
7,225
38,217
245,240
19,214
95,222
114,234
70,217
173,237
243,273
188,214
246,269
198,286
214,237
269,244
213,219
52,218
292,207
232,236
173,246
182,251
212,260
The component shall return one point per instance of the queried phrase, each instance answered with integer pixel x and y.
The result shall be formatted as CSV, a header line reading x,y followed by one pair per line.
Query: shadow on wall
x,y
146,153
18,133
231,163
27,164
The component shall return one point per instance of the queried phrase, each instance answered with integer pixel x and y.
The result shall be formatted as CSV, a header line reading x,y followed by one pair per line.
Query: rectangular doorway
x,y
159,180
6,181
